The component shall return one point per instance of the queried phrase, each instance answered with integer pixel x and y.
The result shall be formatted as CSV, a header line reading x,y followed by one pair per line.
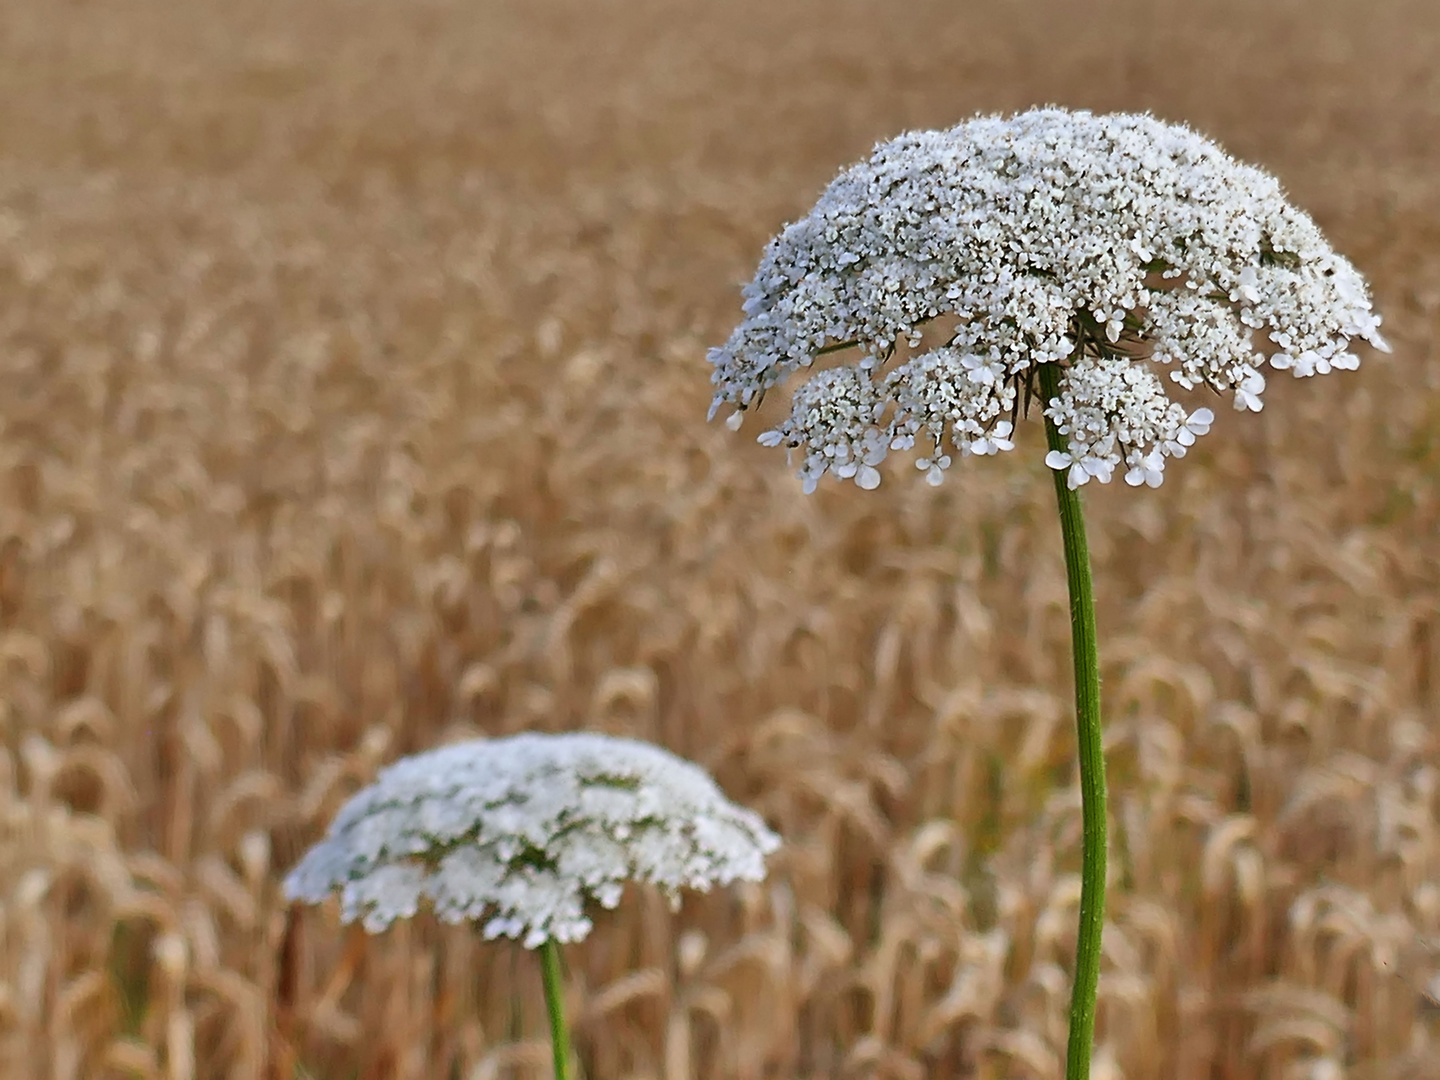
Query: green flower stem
x,y
554,979
1092,752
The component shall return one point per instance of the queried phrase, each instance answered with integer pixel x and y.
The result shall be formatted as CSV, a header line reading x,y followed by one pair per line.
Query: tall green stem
x,y
554,979
1092,753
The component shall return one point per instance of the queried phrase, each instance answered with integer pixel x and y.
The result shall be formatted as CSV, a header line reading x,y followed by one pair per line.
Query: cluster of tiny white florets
x,y
1112,408
955,390
1027,232
523,831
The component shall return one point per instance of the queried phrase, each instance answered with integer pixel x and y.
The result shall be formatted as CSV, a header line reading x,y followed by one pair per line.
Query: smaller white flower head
x,y
1118,247
522,832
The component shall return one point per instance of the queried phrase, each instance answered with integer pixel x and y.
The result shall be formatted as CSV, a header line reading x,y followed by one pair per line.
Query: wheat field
x,y
354,400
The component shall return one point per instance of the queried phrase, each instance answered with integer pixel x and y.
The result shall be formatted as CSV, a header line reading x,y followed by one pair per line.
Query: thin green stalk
x,y
554,979
1092,752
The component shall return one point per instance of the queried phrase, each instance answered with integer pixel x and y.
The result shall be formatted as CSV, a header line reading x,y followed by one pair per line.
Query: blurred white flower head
x,y
523,831
1118,246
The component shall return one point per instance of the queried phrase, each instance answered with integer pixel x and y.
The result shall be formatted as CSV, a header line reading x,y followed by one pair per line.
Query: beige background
x,y
353,399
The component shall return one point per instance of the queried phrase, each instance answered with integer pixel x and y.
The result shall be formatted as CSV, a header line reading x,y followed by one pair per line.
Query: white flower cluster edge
x,y
1025,231
524,832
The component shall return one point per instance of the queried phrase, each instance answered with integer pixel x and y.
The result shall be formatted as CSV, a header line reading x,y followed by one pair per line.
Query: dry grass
x,y
353,400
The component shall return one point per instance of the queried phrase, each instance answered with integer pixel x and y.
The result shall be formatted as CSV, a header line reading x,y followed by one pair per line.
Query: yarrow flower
x,y
524,831
1116,246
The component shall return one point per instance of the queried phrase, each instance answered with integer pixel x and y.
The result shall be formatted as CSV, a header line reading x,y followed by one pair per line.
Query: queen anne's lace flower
x,y
1114,245
523,831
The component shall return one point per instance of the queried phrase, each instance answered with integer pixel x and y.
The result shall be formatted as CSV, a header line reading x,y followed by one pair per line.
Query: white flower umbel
x,y
1116,246
522,832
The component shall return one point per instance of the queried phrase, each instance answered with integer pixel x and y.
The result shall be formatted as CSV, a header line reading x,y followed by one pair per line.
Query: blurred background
x,y
354,400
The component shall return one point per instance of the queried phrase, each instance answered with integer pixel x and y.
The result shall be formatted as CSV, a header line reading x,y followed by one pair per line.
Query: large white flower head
x,y
1116,246
523,831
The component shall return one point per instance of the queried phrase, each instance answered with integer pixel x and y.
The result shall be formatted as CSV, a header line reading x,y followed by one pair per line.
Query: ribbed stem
x,y
555,1004
1092,752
